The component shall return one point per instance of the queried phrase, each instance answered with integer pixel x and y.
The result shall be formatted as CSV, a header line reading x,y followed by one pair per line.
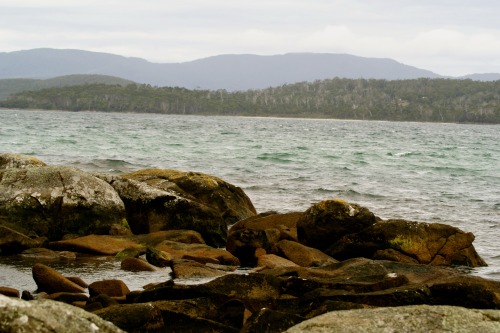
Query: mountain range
x,y
229,72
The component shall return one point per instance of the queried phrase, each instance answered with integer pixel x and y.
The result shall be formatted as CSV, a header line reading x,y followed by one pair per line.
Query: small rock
x,y
137,265
112,288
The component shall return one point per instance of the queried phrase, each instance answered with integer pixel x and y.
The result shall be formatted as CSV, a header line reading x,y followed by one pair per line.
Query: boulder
x,y
273,261
254,290
11,161
134,317
151,207
415,318
189,270
408,241
49,316
96,244
113,245
98,302
40,253
13,242
326,222
228,200
270,321
53,201
158,258
286,223
137,265
69,298
303,255
247,244
198,252
51,281
112,288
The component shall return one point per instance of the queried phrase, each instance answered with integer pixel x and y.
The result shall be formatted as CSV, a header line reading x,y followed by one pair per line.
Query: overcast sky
x,y
448,37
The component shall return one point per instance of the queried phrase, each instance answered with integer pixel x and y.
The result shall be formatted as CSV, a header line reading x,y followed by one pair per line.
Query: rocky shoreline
x,y
335,266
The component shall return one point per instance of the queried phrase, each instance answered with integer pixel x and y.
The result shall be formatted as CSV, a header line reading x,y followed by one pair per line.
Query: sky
x,y
453,38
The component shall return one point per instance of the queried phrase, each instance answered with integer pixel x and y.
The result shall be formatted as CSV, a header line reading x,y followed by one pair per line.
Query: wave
x,y
108,165
277,157
405,154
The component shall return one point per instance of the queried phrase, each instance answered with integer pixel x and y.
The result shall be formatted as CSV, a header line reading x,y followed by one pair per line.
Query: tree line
x,y
428,100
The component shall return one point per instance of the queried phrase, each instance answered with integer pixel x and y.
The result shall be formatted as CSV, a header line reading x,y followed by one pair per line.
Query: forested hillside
x,y
13,86
438,100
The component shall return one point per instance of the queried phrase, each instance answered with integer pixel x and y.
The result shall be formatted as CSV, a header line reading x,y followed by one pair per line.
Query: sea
x,y
427,172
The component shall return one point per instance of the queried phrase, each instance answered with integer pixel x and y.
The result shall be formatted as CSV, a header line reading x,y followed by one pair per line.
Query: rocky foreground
x,y
335,267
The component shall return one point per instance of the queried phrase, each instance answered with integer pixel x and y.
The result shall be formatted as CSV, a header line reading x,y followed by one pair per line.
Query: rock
x,y
303,255
198,252
69,298
230,201
49,316
151,208
96,244
189,315
13,242
98,302
260,234
286,223
273,261
11,161
415,318
466,291
53,201
134,317
113,245
40,253
112,288
158,258
188,269
51,281
326,222
254,290
270,321
11,292
137,265
248,244
180,236
425,243
78,281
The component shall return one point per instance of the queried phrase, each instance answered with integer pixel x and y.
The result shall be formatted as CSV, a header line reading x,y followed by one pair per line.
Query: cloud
x,y
448,37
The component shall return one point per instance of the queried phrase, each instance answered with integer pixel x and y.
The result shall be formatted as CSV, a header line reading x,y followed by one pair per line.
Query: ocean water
x,y
428,172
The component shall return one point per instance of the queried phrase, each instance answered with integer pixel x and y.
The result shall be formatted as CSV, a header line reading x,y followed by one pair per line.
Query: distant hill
x,y
230,72
12,86
483,77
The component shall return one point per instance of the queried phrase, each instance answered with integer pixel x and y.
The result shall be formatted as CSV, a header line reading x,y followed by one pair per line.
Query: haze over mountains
x,y
230,72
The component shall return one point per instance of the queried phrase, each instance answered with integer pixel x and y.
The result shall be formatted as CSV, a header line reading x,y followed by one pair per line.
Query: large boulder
x,y
228,200
415,318
408,241
53,201
46,316
150,208
326,222
11,160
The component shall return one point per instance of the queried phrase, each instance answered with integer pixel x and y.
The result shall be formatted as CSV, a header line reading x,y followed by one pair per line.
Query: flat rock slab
x,y
416,318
